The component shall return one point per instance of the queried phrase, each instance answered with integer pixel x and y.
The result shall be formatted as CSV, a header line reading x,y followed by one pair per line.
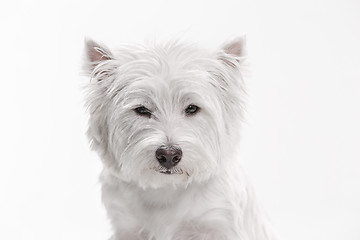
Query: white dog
x,y
165,121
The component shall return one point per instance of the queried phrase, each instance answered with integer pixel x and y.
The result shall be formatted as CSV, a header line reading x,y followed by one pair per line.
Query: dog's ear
x,y
233,52
95,54
235,47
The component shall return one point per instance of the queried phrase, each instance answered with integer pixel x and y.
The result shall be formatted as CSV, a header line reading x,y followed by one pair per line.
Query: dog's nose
x,y
168,156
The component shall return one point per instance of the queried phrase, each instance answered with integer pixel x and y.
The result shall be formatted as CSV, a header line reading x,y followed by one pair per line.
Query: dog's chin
x,y
160,177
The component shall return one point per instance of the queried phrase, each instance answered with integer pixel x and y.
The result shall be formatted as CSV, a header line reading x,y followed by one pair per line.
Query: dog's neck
x,y
161,197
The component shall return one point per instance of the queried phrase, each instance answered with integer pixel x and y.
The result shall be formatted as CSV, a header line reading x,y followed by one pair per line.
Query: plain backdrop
x,y
301,137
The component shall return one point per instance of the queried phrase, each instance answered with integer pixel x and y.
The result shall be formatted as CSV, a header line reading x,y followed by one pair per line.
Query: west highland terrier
x,y
165,121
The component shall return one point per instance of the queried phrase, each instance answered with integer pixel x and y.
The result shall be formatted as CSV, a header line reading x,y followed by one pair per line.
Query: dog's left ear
x,y
95,54
233,52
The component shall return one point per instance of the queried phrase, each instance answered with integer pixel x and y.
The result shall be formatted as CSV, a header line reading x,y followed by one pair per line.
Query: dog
x,y
165,119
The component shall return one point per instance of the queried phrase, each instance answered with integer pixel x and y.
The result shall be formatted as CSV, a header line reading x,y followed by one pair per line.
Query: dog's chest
x,y
170,215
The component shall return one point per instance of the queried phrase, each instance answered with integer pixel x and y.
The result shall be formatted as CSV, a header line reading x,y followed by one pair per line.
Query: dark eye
x,y
191,109
143,111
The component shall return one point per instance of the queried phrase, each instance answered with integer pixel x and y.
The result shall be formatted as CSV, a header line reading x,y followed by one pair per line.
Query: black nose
x,y
168,156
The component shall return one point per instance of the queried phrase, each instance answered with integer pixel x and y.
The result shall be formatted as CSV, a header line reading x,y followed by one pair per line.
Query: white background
x,y
301,138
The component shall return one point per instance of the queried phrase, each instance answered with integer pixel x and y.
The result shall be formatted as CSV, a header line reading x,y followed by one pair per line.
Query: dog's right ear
x,y
95,54
233,52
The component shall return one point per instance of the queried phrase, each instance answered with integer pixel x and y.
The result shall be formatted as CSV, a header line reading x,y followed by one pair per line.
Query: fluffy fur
x,y
206,196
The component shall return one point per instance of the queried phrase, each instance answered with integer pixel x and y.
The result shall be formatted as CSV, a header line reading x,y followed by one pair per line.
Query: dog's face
x,y
165,115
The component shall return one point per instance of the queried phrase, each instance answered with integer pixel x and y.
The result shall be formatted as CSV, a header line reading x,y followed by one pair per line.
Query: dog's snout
x,y
168,156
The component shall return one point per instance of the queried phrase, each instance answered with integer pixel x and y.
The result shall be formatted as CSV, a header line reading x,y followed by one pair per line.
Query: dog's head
x,y
167,114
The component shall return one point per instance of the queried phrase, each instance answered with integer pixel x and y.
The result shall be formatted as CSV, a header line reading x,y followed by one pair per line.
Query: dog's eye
x,y
191,109
143,111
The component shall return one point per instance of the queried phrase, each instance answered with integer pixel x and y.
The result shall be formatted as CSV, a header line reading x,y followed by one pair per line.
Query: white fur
x,y
209,196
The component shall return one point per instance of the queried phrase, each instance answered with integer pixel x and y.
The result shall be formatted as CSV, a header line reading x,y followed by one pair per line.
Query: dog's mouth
x,y
173,170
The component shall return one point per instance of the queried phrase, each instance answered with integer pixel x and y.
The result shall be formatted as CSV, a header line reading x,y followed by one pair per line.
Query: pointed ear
x,y
95,54
233,52
235,47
